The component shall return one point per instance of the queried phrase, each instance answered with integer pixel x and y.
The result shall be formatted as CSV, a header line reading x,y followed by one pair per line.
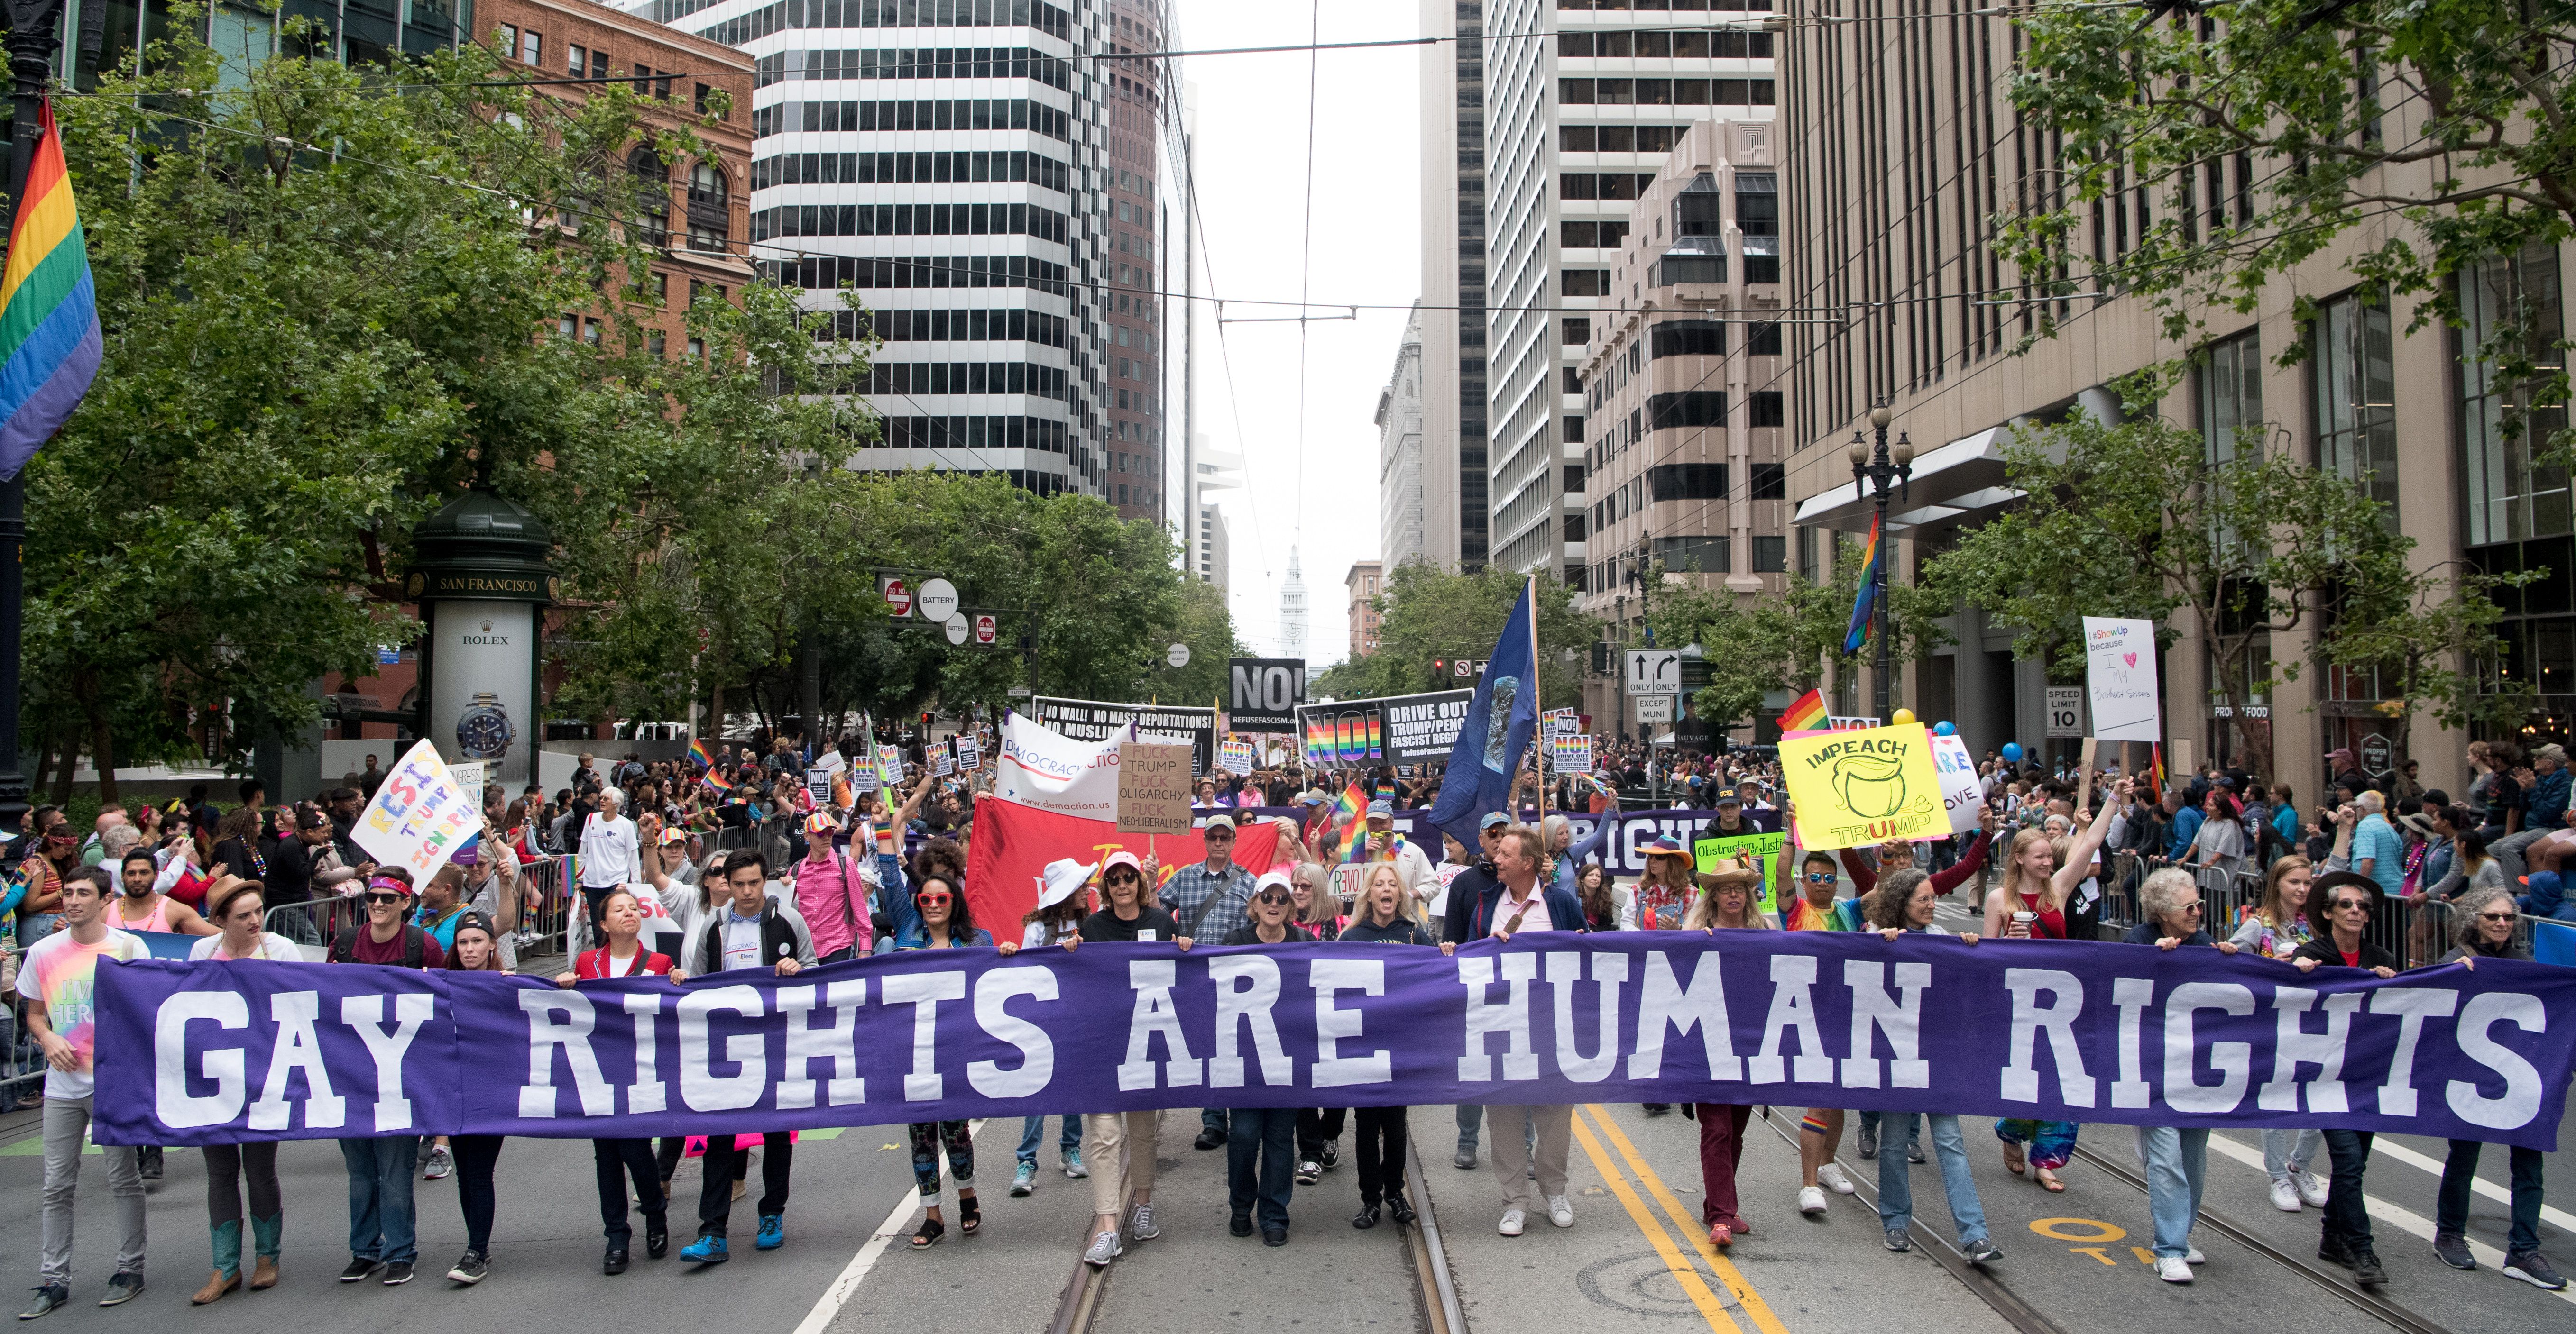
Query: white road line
x,y
2404,1220
2385,1148
856,1272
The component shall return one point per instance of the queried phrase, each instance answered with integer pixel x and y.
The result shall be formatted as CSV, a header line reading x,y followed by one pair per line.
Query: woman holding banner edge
x,y
1727,906
2031,905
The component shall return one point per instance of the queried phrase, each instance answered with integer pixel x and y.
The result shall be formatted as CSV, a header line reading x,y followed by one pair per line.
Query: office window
x,y
1686,481
1574,331
2508,497
1574,479
1762,340
1683,267
1586,282
1618,139
1689,338
2231,397
1770,554
658,346
1689,407
532,47
598,64
1757,203
1702,555
576,61
590,331
1695,209
2355,387
1807,554
1578,235
1767,410
1575,139
1770,480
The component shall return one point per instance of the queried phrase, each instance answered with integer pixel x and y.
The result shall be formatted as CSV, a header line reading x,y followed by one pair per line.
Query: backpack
x,y
344,946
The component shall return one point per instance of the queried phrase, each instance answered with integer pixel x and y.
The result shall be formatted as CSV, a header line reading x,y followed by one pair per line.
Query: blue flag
x,y
1496,733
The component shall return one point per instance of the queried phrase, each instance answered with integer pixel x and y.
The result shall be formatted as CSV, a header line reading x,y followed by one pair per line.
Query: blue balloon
x,y
1945,729
2012,752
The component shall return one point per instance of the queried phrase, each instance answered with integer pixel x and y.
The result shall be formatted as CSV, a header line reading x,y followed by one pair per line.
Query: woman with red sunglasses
x,y
935,916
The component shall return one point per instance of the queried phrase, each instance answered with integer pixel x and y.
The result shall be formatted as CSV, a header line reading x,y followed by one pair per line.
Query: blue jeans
x,y
2286,1151
2177,1161
380,1205
1033,1130
1869,1121
1260,1160
2452,1212
1896,1193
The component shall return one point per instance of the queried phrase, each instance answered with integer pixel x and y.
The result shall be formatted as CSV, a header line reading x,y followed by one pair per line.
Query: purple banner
x,y
211,1053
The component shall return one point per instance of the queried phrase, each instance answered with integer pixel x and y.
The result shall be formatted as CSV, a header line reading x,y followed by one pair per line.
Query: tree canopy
x,y
1426,613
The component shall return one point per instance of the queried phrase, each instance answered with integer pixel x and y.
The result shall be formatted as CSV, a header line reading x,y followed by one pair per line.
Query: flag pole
x,y
1538,706
31,45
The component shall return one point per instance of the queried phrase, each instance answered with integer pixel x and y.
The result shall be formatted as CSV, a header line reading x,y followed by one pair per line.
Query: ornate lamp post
x,y
1884,468
31,52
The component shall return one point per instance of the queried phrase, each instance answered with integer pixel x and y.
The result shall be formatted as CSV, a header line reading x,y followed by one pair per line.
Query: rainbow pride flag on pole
x,y
705,758
1867,599
49,338
1806,714
1353,836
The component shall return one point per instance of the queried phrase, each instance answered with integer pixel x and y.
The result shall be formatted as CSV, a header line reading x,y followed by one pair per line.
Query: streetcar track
x,y
2020,1314
1078,1306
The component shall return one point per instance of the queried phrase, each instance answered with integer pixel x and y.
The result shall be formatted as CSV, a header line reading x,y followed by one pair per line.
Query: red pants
x,y
1721,1145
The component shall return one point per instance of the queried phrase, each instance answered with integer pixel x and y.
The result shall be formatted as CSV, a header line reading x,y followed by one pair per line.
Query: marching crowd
x,y
655,898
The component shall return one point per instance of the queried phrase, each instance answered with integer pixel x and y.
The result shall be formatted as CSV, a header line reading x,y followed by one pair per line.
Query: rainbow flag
x,y
705,758
49,338
2156,758
1353,837
1805,714
1867,599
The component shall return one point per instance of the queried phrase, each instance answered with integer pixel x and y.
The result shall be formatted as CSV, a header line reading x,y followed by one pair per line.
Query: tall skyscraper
x,y
1402,501
1003,184
1577,128
1292,610
1453,285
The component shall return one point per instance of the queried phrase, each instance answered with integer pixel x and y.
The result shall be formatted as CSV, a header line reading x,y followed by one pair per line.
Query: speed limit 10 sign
x,y
2066,711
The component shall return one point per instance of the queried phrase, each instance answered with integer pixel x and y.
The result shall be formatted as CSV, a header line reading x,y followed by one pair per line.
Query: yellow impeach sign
x,y
1864,787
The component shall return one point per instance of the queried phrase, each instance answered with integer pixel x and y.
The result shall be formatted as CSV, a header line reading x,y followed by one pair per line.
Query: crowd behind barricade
x,y
742,860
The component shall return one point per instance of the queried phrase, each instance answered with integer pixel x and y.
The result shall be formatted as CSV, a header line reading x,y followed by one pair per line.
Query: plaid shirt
x,y
1194,884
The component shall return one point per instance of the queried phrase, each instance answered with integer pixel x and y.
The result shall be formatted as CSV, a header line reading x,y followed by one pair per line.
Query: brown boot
x,y
216,1286
263,1275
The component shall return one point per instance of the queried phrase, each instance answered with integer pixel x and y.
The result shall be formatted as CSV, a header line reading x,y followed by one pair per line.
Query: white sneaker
x,y
2194,1257
2173,1269
1831,1174
1104,1248
2312,1190
1143,1227
1559,1211
2285,1197
1811,1199
1512,1220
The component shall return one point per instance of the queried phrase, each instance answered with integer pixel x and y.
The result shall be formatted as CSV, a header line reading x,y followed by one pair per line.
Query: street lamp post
x,y
31,51
1884,468
1641,573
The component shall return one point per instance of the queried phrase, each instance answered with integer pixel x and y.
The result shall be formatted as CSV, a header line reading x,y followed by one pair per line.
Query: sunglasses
x,y
386,898
2495,917
1273,897
1219,838
936,896
1819,878
2361,905
2187,907
1121,877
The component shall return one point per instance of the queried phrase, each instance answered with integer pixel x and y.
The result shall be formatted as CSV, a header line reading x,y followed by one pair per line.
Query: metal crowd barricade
x,y
2122,876
2435,930
315,921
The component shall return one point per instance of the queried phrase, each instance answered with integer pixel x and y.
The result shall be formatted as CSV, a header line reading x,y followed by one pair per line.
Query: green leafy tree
x,y
1426,613
1754,644
2135,521
2264,132
321,292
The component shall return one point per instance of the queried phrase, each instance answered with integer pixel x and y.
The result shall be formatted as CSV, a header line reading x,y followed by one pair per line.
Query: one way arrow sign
x,y
1654,671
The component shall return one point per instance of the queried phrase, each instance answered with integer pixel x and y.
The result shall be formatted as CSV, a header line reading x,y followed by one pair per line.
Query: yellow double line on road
x,y
1676,1255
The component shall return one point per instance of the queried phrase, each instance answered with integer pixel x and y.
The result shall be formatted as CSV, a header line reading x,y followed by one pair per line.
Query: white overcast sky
x,y
1316,489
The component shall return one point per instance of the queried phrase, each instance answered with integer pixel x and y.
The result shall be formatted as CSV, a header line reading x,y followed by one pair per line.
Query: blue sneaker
x,y
773,1232
705,1251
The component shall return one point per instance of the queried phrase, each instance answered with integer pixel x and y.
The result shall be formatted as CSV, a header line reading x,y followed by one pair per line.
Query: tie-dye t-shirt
x,y
66,978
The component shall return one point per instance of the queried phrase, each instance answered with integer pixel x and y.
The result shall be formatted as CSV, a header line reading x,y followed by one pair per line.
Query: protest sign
x,y
969,755
1763,848
1570,753
818,785
1093,720
943,762
420,815
2120,676
1013,844
1153,788
1864,786
1234,755
1042,767
469,777
1266,692
890,764
191,1054
1394,729
1962,795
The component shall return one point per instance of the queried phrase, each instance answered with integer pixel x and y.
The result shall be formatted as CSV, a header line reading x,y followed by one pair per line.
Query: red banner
x,y
1012,844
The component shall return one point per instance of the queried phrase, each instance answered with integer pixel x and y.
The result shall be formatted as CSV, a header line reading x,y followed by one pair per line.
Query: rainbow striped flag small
x,y
704,757
49,336
1866,599
1806,714
1353,836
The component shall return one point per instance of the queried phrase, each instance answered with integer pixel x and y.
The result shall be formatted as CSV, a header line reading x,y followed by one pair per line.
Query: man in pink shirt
x,y
832,894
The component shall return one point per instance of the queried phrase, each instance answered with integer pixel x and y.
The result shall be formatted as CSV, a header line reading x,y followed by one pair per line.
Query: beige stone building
x,y
1683,384
1900,144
